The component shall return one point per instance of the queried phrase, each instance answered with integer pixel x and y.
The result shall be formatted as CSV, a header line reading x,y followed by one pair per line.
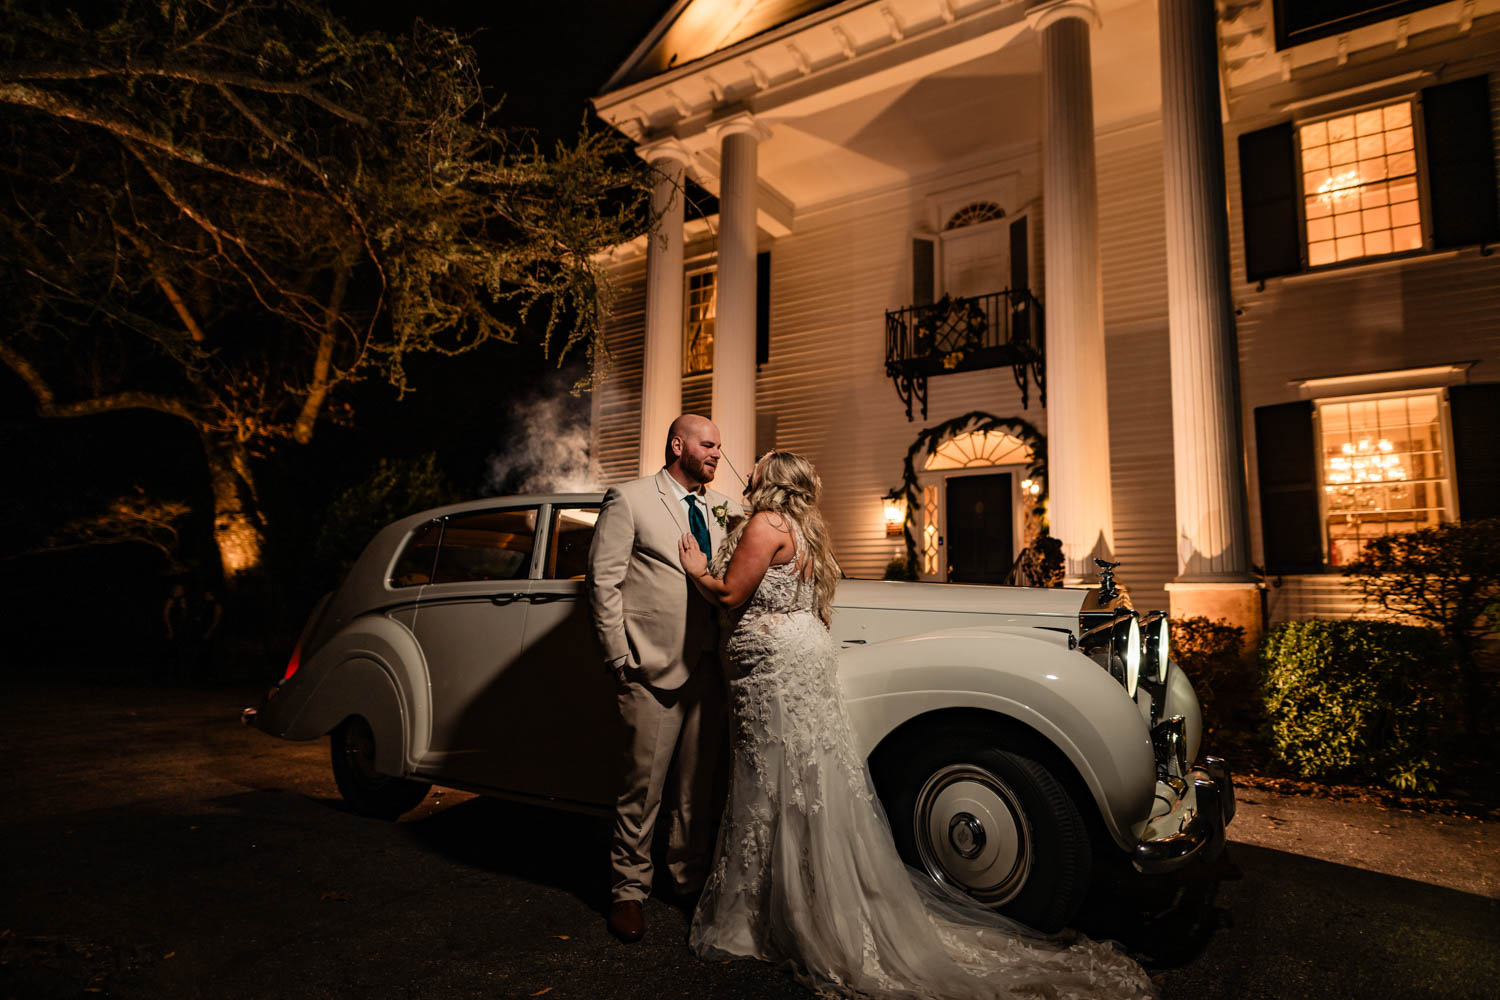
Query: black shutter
x,y
1268,198
762,307
1287,462
1020,248
1461,163
1475,412
923,264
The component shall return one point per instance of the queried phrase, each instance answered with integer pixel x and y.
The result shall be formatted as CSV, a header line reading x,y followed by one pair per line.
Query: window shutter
x,y
1461,163
1287,462
762,307
1020,248
1475,412
923,266
1268,199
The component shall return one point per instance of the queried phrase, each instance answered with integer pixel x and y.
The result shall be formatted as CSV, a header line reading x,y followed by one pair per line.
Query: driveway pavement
x,y
155,848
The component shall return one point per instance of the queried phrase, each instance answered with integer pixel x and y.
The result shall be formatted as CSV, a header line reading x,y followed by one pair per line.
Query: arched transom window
x,y
972,215
979,448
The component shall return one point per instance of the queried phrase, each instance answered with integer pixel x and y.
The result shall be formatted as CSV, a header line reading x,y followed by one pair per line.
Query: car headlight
x,y
1158,647
1126,650
1116,646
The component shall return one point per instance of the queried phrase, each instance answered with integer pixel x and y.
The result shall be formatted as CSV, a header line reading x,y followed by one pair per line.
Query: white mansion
x,y
1230,264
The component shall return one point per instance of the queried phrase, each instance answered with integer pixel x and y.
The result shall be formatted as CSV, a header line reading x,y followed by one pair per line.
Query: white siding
x,y
1133,252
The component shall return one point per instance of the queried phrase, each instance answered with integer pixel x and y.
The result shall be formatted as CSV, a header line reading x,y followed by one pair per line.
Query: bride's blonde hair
x,y
785,483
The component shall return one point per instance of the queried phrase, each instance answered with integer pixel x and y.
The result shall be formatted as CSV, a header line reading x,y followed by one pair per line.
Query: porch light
x,y
1031,487
895,515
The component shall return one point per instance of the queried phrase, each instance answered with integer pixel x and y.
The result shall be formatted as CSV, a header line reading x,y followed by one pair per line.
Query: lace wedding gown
x,y
806,874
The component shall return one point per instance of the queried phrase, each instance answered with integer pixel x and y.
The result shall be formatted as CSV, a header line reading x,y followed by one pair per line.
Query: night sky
x,y
546,59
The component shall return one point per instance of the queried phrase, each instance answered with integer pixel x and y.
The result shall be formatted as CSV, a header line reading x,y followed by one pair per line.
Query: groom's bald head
x,y
692,452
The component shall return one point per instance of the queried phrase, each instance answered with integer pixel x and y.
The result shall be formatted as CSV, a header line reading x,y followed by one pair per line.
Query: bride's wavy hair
x,y
785,483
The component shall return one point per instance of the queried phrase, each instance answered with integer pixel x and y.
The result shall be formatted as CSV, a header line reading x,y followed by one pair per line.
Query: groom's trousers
x,y
677,735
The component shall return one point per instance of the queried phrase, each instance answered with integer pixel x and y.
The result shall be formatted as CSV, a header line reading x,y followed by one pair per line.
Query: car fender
x,y
372,667
1025,674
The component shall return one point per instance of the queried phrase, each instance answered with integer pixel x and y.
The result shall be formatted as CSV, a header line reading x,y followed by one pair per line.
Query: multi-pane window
x,y
699,308
930,530
1359,185
1383,469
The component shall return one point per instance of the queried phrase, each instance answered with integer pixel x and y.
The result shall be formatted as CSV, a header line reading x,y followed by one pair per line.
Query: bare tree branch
x,y
192,74
52,104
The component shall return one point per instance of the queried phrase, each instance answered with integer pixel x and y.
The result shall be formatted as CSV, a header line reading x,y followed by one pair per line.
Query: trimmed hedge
x,y
1211,650
1361,700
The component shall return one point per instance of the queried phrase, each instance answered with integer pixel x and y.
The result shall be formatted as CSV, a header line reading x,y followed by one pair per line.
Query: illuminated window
x,y
1383,469
979,448
930,530
699,309
1359,185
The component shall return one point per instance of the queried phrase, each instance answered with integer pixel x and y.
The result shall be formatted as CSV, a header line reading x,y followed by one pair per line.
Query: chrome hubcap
x,y
972,833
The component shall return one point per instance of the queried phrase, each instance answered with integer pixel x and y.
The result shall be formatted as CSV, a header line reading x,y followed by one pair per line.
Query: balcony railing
x,y
1001,329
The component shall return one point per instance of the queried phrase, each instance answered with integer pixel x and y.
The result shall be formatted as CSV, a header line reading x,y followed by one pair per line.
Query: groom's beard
x,y
699,470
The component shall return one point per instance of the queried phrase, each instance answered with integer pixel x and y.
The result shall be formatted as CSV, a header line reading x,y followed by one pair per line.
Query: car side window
x,y
568,547
486,545
414,567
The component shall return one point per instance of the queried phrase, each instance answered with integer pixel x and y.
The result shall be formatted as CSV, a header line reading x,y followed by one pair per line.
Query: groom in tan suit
x,y
660,640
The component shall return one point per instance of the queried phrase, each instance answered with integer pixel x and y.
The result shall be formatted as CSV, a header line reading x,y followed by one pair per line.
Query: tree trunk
x,y
238,525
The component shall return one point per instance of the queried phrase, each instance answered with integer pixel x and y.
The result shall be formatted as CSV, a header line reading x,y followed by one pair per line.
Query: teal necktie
x,y
698,525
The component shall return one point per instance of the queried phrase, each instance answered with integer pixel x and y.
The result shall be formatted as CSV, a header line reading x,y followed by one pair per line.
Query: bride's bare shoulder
x,y
768,521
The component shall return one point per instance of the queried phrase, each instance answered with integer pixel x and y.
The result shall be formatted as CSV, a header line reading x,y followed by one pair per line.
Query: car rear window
x,y
568,550
486,545
414,567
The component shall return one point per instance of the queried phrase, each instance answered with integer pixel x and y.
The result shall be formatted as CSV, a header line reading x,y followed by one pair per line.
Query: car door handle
x,y
546,598
508,598
853,642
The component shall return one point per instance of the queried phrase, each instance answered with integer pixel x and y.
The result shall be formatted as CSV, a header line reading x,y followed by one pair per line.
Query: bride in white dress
x,y
806,874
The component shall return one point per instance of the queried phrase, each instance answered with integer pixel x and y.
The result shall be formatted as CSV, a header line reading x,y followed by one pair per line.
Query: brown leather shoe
x,y
626,920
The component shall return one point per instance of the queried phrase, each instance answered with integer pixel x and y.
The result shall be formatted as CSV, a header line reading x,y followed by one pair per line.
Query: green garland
x,y
932,438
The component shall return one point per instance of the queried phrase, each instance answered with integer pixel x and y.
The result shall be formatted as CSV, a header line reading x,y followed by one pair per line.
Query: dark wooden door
x,y
980,529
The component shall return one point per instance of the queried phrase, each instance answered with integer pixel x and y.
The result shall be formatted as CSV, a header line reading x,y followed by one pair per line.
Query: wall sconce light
x,y
895,515
1031,487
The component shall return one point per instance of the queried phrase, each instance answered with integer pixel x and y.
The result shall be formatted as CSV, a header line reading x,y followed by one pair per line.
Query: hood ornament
x,y
1107,589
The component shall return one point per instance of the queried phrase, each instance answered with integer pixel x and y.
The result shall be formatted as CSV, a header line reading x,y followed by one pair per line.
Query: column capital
x,y
1041,16
740,123
668,149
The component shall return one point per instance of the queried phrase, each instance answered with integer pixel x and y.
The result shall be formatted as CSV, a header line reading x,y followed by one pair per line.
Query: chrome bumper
x,y
1193,827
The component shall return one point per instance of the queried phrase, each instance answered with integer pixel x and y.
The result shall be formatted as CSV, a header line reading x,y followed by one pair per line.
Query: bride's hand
x,y
694,562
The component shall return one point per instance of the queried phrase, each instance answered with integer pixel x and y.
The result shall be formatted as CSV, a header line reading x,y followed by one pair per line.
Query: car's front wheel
x,y
988,819
367,791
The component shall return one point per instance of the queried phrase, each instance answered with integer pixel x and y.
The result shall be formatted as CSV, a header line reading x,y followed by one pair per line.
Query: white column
x,y
734,323
1212,541
661,369
1077,401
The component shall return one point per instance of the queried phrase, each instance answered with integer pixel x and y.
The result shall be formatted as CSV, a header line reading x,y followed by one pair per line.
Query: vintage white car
x,y
1020,738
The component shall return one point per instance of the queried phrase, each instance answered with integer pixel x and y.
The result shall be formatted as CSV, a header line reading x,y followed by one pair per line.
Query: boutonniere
x,y
721,514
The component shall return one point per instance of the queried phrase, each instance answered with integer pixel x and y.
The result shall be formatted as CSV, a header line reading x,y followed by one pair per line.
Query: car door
x,y
470,623
558,733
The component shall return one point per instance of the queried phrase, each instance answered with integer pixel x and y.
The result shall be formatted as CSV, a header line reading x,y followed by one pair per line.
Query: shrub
x,y
1361,700
1211,651
395,488
1448,577
899,569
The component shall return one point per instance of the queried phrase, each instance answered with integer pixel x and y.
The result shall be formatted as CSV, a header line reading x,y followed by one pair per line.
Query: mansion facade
x,y
1214,281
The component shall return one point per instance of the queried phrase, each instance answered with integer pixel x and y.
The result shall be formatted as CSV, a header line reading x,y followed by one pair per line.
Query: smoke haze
x,y
548,449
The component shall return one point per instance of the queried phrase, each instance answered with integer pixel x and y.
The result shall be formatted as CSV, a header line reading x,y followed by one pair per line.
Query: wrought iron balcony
x,y
1001,329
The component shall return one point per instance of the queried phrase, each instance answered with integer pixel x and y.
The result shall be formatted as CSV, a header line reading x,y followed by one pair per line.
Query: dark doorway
x,y
980,527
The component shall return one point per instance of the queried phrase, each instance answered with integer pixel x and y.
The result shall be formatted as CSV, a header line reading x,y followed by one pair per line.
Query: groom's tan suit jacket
x,y
642,602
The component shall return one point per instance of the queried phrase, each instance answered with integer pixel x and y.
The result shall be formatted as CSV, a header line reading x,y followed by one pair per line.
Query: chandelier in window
x,y
1367,461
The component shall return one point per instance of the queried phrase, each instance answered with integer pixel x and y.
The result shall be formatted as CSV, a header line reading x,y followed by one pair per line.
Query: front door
x,y
980,528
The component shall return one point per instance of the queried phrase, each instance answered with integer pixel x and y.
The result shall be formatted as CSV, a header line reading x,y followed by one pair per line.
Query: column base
x,y
1238,603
